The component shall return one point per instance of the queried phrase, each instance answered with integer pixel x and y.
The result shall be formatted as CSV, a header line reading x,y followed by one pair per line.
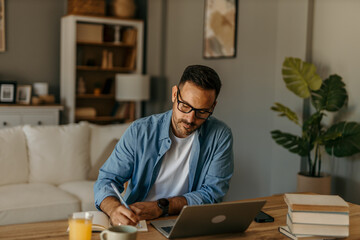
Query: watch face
x,y
163,202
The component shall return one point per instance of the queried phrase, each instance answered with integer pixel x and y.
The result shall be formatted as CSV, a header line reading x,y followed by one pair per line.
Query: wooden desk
x,y
275,206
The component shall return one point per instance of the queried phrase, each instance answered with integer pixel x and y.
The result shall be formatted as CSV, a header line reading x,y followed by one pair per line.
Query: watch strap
x,y
163,204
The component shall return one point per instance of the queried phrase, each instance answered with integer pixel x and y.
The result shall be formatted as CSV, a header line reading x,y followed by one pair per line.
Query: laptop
x,y
210,219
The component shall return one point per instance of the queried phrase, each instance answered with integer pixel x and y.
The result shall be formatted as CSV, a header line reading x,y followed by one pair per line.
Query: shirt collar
x,y
164,132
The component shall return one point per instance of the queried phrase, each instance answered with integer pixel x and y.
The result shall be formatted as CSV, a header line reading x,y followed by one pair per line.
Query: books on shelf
x,y
286,231
101,222
129,36
316,216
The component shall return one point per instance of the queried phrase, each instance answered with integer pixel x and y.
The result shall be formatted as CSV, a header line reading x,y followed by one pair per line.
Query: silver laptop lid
x,y
211,219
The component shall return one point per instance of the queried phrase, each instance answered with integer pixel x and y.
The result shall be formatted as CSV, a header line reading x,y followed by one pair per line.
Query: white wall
x,y
336,49
291,29
267,32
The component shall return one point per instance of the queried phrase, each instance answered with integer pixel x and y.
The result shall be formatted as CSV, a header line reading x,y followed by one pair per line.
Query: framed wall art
x,y
23,94
220,19
7,92
2,25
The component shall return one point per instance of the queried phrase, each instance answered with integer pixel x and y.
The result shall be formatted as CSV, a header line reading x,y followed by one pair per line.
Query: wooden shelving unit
x,y
102,119
93,96
106,44
83,59
98,68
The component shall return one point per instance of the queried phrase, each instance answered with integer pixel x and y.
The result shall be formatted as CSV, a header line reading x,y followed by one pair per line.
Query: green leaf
x,y
285,111
348,141
331,96
300,77
294,144
312,127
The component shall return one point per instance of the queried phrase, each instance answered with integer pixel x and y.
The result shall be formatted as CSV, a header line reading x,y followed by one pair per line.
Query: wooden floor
x,y
275,206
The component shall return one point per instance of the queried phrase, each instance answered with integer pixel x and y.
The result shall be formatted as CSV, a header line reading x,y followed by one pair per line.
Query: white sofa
x,y
48,172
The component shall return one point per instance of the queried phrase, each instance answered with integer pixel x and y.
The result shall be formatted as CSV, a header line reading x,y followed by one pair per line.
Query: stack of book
x,y
316,217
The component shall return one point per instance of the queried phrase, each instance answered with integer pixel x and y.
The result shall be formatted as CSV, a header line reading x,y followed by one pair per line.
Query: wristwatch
x,y
163,204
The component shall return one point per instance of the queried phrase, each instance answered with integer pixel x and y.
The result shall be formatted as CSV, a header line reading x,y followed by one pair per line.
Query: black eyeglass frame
x,y
191,107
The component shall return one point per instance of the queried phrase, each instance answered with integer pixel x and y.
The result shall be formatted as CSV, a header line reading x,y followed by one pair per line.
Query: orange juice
x,y
80,229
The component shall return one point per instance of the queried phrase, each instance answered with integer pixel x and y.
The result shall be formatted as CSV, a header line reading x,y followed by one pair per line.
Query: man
x,y
177,158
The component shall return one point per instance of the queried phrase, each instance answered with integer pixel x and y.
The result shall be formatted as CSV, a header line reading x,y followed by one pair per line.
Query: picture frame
x,y
7,92
220,28
2,25
23,94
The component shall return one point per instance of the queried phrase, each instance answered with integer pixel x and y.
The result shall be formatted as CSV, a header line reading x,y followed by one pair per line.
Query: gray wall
x,y
336,50
33,42
267,32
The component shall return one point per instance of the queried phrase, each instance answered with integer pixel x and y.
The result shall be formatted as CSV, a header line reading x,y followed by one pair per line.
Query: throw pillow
x,y
58,154
101,136
94,171
13,156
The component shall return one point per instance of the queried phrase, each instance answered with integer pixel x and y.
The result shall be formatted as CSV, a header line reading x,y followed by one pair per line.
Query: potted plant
x,y
340,139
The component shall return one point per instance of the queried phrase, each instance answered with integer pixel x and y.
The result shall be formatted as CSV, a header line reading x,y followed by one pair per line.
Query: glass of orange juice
x,y
80,226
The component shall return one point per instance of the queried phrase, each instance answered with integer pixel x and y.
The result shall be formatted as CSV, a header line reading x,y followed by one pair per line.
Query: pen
x,y
121,198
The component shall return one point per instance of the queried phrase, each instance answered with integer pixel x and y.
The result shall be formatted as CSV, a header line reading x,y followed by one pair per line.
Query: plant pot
x,y
320,185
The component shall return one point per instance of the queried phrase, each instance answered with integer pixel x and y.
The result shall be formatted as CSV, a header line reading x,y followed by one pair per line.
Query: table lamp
x,y
132,88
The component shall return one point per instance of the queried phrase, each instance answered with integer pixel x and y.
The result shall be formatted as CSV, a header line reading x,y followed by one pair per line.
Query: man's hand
x,y
146,210
139,211
118,213
150,210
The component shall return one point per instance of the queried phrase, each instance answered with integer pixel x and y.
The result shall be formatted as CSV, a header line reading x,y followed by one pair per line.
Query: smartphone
x,y
263,217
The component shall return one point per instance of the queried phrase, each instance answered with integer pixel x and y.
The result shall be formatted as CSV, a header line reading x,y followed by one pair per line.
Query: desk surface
x,y
275,206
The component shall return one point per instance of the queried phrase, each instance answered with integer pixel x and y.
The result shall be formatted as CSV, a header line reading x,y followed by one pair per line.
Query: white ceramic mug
x,y
122,232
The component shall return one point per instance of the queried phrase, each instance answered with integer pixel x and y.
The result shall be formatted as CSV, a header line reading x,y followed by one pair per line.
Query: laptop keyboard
x,y
167,229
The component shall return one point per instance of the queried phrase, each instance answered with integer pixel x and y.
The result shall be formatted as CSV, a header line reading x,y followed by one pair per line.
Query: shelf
x,y
100,119
92,96
84,57
98,68
107,44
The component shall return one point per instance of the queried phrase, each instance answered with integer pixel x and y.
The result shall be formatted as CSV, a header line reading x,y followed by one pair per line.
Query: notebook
x,y
210,219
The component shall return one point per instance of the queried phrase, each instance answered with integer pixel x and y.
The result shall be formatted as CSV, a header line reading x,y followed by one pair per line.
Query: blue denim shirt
x,y
138,155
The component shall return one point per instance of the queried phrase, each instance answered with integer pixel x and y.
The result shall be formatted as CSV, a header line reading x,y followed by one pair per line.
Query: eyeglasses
x,y
186,108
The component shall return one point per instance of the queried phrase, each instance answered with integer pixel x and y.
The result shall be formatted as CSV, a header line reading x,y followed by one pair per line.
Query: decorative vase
x,y
97,91
320,185
123,8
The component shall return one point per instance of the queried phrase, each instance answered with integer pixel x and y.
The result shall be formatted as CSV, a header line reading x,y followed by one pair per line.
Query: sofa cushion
x,y
58,154
34,202
100,139
84,191
94,171
13,156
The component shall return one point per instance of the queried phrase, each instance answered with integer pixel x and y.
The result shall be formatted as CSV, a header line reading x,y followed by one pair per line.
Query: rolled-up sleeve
x,y
117,169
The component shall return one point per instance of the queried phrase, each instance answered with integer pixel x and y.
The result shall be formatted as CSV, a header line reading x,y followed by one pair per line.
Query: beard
x,y
184,127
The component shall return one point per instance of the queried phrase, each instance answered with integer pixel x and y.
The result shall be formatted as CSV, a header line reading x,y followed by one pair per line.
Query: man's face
x,y
183,124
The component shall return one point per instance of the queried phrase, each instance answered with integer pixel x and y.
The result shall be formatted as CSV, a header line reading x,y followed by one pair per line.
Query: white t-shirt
x,y
173,178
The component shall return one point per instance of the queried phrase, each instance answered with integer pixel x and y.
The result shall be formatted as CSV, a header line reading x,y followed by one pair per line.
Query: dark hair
x,y
203,76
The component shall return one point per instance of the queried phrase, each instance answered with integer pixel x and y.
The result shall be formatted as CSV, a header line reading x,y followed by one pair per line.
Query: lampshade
x,y
132,87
